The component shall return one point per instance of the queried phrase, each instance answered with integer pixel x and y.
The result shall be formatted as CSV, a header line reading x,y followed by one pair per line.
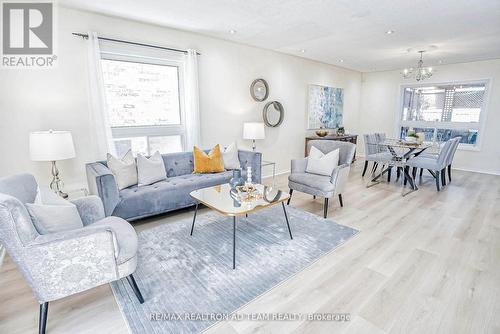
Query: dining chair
x,y
452,155
435,166
453,150
381,137
373,151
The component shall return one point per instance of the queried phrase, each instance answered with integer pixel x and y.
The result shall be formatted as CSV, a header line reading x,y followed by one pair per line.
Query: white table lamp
x,y
52,146
253,131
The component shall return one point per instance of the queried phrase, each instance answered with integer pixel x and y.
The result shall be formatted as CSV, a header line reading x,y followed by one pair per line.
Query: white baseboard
x,y
489,172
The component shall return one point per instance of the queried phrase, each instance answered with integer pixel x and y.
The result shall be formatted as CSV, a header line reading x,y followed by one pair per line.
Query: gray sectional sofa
x,y
139,202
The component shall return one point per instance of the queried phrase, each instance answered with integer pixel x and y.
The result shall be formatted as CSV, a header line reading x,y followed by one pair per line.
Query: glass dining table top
x,y
404,144
231,202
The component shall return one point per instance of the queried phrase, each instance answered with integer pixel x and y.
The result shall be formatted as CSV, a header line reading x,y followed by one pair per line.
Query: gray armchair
x,y
320,185
61,264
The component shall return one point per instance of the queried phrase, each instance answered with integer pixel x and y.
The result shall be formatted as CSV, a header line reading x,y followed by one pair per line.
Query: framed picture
x,y
325,107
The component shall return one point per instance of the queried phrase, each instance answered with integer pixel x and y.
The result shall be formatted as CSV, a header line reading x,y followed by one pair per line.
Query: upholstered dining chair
x,y
436,166
450,157
374,152
321,185
60,264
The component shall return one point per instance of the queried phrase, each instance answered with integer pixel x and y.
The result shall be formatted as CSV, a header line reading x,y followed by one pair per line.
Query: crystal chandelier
x,y
420,73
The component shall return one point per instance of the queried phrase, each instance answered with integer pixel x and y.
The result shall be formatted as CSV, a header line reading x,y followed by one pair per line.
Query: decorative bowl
x,y
321,133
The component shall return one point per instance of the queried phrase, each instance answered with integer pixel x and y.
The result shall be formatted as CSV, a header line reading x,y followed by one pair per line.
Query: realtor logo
x,y
27,34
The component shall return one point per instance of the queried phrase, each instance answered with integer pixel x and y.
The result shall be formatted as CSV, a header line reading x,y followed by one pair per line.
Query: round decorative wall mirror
x,y
273,114
259,90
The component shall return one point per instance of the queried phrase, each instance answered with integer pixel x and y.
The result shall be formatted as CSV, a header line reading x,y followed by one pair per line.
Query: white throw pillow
x,y
47,196
124,170
320,163
230,157
150,170
51,213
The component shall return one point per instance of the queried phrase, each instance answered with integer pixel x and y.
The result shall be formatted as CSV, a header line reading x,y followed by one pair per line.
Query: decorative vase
x,y
321,132
236,180
249,174
236,197
421,137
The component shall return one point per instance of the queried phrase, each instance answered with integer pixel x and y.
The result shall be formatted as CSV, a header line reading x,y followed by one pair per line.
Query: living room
x,y
303,246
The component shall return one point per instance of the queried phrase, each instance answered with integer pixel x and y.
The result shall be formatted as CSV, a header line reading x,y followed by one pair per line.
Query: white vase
x,y
249,175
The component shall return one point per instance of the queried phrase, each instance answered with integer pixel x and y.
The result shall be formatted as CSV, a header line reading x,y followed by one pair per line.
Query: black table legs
x,y
234,242
194,218
234,229
286,218
410,180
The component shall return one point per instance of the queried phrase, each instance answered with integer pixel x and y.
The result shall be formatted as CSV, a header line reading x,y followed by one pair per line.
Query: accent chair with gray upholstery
x,y
138,202
321,185
60,264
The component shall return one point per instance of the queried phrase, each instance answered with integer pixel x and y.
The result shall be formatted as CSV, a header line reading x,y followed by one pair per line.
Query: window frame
x,y
480,127
145,55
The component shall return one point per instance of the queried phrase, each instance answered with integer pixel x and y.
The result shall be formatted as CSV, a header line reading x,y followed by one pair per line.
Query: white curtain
x,y
100,129
193,131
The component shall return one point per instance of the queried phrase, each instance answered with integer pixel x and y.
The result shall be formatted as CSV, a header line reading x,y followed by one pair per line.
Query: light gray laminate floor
x,y
425,263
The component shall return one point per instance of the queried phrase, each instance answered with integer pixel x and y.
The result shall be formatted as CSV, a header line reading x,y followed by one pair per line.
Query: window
x,y
144,96
442,112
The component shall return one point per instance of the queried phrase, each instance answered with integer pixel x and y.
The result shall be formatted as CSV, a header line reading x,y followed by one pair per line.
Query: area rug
x,y
188,281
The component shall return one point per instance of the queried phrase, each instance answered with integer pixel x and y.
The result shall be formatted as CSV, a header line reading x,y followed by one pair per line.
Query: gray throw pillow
x,y
54,218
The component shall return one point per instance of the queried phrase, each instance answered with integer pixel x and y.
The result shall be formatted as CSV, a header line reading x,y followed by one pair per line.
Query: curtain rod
x,y
86,36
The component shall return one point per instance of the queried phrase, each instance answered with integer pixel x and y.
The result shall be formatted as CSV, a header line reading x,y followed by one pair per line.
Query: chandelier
x,y
420,73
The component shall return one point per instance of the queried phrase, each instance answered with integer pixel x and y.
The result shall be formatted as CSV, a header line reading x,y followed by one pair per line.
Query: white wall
x,y
57,98
380,94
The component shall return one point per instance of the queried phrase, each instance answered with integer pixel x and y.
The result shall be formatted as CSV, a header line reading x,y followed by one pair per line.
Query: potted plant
x,y
411,136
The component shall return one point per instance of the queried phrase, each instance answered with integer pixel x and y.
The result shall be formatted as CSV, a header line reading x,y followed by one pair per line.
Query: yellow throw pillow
x,y
211,163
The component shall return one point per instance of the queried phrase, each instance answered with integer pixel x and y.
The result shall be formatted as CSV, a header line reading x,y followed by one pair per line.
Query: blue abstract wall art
x,y
325,107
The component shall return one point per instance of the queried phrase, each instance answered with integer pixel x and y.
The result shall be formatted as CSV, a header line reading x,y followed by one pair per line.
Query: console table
x,y
349,138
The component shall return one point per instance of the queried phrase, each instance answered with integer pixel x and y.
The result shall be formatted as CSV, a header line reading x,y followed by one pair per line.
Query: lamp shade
x,y
51,145
253,130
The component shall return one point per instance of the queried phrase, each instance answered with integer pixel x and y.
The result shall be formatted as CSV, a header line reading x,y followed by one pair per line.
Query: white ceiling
x,y
453,31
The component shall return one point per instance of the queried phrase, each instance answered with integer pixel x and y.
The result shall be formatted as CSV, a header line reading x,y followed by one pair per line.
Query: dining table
x,y
400,152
